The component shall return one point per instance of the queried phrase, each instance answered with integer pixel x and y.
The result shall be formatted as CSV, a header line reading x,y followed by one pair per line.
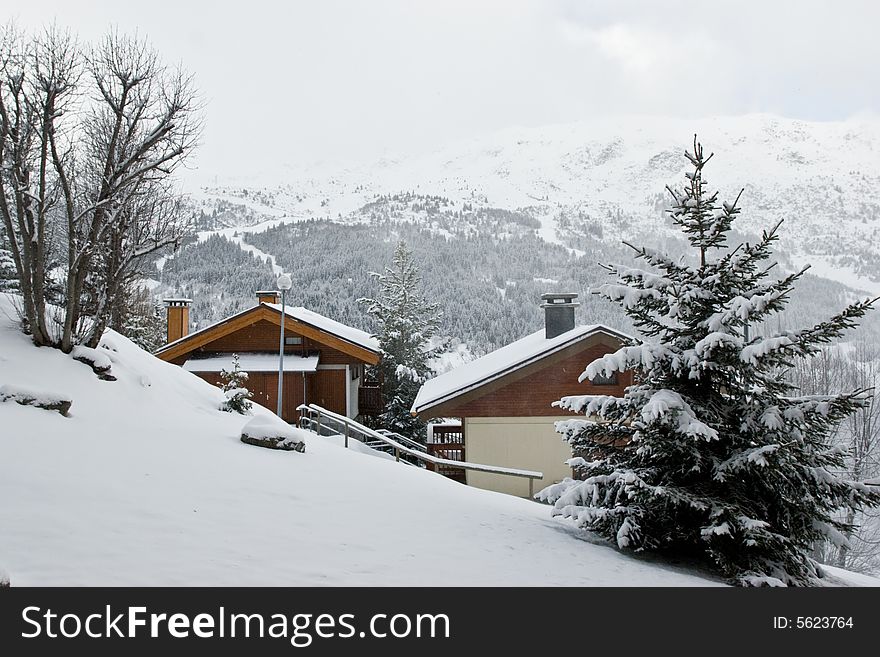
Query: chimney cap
x,y
559,299
174,301
266,293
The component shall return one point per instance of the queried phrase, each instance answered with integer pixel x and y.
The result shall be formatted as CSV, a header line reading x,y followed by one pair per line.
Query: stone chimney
x,y
558,313
268,296
177,311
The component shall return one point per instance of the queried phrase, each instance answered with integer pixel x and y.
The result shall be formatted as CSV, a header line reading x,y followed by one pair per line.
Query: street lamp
x,y
284,284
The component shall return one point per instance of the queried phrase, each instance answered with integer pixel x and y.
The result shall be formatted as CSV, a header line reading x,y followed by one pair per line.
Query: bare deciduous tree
x,y
89,139
851,365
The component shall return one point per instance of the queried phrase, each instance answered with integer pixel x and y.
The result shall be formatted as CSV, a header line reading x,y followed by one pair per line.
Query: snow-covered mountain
x,y
610,175
495,222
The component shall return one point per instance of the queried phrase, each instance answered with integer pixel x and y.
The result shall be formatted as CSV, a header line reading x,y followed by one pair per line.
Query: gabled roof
x,y
501,362
353,335
352,341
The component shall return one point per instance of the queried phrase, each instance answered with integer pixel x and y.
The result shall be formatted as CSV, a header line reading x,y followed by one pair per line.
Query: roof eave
x,y
443,399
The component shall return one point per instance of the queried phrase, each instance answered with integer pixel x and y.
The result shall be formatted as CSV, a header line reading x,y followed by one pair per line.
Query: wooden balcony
x,y
446,441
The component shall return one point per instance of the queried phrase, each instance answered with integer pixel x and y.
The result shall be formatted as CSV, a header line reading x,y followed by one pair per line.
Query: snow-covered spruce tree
x,y
234,386
8,276
709,453
408,339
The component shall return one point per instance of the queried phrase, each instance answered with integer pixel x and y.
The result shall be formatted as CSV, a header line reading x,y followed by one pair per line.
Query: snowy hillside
x,y
823,178
146,483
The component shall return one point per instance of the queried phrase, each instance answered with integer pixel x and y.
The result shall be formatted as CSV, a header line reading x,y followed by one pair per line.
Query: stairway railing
x,y
315,418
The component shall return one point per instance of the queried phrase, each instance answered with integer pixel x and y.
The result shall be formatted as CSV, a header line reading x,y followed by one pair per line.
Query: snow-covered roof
x,y
310,317
347,333
252,362
500,362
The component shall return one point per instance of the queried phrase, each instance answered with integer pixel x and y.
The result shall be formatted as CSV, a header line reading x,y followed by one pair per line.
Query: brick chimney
x,y
177,311
558,313
268,296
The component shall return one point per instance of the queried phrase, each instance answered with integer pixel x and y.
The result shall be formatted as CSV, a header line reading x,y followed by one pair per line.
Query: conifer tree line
x,y
218,276
90,135
711,452
488,289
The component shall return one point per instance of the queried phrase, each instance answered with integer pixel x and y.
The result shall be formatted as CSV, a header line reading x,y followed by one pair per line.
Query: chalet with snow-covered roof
x,y
501,405
324,360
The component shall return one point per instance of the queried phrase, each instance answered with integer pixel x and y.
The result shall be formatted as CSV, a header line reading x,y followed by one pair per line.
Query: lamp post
x,y
284,284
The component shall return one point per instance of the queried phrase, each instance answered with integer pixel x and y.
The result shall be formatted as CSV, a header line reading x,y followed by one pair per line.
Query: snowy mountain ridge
x,y
496,222
823,178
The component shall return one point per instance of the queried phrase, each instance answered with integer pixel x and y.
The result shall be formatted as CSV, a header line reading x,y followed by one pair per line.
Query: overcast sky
x,y
294,81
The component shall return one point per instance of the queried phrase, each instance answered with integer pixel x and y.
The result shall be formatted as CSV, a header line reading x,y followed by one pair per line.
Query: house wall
x,y
330,390
529,443
326,387
531,391
509,421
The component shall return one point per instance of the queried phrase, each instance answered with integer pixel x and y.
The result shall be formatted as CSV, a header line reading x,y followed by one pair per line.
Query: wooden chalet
x,y
324,360
499,409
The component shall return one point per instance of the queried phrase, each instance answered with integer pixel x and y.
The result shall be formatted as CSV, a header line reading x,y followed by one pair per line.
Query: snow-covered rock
x,y
272,432
99,362
50,401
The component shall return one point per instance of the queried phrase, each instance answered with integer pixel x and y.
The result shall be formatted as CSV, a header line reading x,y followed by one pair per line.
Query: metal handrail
x,y
403,439
349,424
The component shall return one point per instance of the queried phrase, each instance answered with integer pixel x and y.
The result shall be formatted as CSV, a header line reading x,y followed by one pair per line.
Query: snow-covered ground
x,y
147,483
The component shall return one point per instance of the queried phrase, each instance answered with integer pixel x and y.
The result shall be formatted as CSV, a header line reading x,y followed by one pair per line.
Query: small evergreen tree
x,y
8,274
408,339
234,386
709,452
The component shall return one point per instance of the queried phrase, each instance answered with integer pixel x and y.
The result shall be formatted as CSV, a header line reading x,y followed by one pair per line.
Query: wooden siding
x,y
531,390
324,387
329,390
264,336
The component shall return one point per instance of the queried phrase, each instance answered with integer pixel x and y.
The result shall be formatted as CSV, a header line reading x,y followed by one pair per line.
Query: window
x,y
602,380
295,340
